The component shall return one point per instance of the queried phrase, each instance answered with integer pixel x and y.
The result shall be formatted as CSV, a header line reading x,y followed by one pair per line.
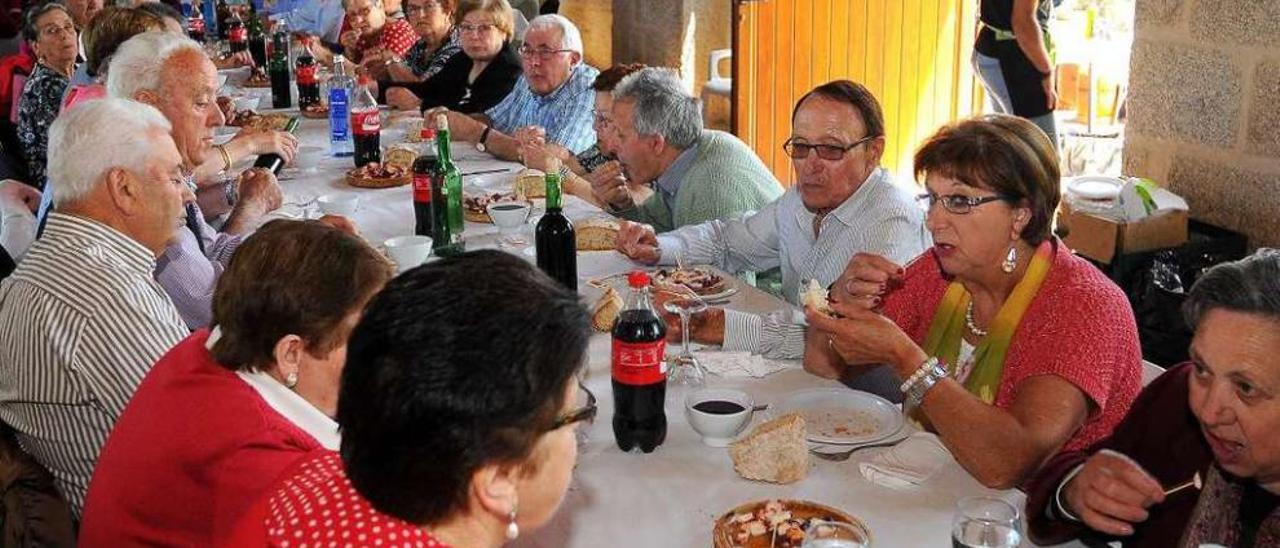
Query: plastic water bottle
x,y
340,86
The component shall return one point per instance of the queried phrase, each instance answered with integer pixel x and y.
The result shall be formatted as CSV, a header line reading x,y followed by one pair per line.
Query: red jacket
x,y
195,447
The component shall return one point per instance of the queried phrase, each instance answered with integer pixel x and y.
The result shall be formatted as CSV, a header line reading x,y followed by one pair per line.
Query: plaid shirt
x,y
565,113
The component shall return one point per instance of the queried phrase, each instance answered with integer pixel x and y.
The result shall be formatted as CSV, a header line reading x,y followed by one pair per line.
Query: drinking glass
x,y
685,369
985,522
833,534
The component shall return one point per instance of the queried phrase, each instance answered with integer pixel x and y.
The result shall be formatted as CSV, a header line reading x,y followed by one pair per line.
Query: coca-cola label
x,y
306,75
366,123
639,364
422,188
238,34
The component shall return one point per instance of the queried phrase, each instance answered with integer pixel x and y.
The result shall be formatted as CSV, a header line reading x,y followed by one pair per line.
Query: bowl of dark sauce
x,y
718,414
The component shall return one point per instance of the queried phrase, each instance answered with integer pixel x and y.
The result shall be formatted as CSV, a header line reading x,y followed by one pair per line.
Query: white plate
x,y
1095,187
842,415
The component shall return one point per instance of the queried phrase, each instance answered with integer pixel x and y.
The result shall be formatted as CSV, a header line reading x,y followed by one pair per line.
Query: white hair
x,y
662,106
90,138
138,64
570,37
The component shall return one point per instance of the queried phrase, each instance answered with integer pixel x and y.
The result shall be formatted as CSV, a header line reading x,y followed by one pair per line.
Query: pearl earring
x,y
513,530
291,380
1010,260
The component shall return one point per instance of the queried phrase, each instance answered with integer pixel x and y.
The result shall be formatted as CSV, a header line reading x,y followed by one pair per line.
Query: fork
x,y
844,455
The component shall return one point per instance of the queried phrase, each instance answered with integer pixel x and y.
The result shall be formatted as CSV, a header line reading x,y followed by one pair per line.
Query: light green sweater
x,y
726,181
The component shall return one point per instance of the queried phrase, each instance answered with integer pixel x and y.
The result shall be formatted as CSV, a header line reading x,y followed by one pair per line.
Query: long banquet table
x,y
671,496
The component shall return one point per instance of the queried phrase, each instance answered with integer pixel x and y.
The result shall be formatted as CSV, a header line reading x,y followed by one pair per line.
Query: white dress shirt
x,y
879,218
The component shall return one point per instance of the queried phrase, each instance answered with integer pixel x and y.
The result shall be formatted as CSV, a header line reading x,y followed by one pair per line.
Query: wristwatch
x,y
484,135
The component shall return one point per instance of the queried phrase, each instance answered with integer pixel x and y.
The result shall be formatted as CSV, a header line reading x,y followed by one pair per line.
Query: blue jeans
x,y
988,71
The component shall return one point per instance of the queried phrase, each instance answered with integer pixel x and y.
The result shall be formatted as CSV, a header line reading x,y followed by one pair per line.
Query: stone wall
x,y
1204,109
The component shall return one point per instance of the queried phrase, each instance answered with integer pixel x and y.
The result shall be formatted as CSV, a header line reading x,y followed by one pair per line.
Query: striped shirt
x,y
81,322
565,113
189,268
879,218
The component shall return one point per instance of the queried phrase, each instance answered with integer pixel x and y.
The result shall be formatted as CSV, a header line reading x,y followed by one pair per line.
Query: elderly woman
x,y
474,82
104,34
52,35
1215,418
596,167
225,412
458,409
1011,348
438,42
369,37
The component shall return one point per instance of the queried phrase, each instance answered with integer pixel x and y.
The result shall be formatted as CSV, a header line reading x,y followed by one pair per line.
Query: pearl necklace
x,y
970,324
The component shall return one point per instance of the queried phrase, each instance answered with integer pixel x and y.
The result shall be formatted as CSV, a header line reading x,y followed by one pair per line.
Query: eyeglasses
x,y
420,8
832,153
476,29
542,54
55,30
958,203
586,413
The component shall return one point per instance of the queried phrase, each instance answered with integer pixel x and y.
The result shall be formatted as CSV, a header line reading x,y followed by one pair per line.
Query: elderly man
x,y
843,203
698,175
551,102
173,74
82,319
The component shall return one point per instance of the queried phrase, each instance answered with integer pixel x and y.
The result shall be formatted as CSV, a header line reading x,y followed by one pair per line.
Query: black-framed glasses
x,y
542,54
586,413
959,203
476,29
833,153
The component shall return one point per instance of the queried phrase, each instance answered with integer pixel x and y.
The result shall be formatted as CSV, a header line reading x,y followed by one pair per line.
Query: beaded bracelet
x,y
924,379
919,372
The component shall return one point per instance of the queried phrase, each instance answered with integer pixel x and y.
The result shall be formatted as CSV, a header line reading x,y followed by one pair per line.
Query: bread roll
x,y
775,451
606,310
531,184
597,234
815,296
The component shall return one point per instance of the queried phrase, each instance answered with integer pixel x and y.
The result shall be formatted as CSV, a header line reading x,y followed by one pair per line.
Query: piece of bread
x,y
815,296
400,156
530,183
775,451
606,310
597,234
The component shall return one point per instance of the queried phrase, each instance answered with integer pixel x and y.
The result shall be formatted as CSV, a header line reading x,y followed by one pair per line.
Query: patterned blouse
x,y
426,64
40,103
396,37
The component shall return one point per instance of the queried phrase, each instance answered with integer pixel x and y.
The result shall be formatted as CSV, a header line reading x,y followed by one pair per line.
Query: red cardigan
x,y
1079,327
195,447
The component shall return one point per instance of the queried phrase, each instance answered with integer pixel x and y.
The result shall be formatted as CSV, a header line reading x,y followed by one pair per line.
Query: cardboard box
x,y
1102,239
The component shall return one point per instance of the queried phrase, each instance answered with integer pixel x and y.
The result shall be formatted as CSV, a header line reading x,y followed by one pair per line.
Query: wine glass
x,y
985,522
685,369
833,534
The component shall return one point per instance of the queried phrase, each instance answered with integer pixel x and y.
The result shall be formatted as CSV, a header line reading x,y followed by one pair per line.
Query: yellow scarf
x,y
947,328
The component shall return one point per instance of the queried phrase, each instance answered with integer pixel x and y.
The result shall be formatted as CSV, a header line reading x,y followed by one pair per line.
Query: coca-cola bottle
x,y
305,74
237,34
639,372
423,167
366,124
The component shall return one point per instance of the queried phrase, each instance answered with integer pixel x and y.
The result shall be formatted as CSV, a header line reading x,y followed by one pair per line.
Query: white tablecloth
x,y
671,496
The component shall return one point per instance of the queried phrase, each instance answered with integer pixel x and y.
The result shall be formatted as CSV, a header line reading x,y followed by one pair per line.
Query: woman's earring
x,y
1010,260
513,530
291,380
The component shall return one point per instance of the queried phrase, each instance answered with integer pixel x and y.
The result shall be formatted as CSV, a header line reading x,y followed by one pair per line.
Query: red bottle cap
x,y
638,279
428,132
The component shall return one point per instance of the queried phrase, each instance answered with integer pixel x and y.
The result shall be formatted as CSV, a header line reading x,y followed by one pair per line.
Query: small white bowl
x,y
509,216
718,428
339,204
408,251
246,102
